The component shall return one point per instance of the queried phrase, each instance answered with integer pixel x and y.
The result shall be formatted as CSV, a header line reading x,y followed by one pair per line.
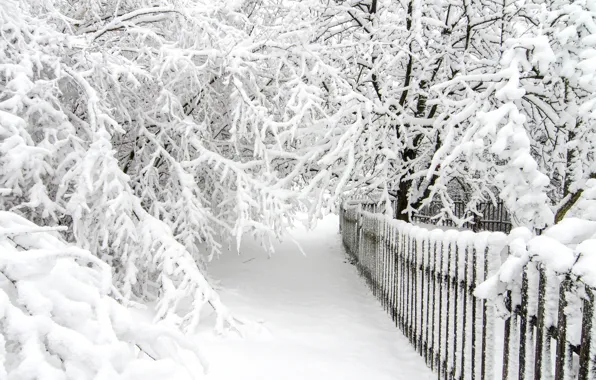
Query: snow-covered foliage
x,y
146,128
59,318
137,126
432,100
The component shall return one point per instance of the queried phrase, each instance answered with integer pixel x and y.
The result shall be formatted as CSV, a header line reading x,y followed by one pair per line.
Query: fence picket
x,y
448,340
585,361
423,304
408,289
433,276
463,289
539,349
507,340
456,314
441,334
474,320
402,279
561,369
484,374
387,263
397,275
416,294
523,338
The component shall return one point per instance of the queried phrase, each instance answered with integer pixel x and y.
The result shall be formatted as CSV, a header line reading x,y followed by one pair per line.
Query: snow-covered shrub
x,y
59,318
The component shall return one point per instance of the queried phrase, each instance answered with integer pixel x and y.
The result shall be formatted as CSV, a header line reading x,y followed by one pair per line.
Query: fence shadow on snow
x,y
426,279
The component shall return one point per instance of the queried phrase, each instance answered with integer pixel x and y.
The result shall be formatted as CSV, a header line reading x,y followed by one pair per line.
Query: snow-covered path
x,y
320,320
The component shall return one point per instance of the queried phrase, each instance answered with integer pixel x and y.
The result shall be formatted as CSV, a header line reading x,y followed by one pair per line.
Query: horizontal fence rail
x,y
426,280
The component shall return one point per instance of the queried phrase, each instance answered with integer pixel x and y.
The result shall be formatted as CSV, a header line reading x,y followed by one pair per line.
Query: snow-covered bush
x,y
59,318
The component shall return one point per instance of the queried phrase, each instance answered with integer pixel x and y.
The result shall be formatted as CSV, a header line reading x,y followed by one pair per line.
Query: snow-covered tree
x,y
544,77
432,100
147,128
380,65
93,138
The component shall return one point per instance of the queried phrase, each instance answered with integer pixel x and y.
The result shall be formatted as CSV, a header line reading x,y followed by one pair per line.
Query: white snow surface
x,y
318,319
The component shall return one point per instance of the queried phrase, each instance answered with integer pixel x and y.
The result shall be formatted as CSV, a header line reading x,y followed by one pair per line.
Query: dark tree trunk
x,y
402,201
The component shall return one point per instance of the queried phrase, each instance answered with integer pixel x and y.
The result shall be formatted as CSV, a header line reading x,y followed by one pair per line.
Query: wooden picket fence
x,y
425,281
493,217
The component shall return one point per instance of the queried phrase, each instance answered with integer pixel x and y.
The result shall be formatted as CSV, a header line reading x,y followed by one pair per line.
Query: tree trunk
x,y
402,201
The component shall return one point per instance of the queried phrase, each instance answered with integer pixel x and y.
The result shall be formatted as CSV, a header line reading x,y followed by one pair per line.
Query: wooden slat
x,y
402,282
433,333
485,324
464,291
415,295
523,333
474,317
586,354
456,316
540,331
447,280
561,362
440,335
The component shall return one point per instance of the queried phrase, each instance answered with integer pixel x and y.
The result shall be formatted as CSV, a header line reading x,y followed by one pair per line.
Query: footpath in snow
x,y
320,321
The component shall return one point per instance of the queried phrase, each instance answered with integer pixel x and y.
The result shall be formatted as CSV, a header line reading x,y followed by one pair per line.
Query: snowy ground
x,y
320,321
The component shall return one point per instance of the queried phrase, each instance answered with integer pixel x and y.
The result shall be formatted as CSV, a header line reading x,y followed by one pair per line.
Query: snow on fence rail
x,y
449,291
